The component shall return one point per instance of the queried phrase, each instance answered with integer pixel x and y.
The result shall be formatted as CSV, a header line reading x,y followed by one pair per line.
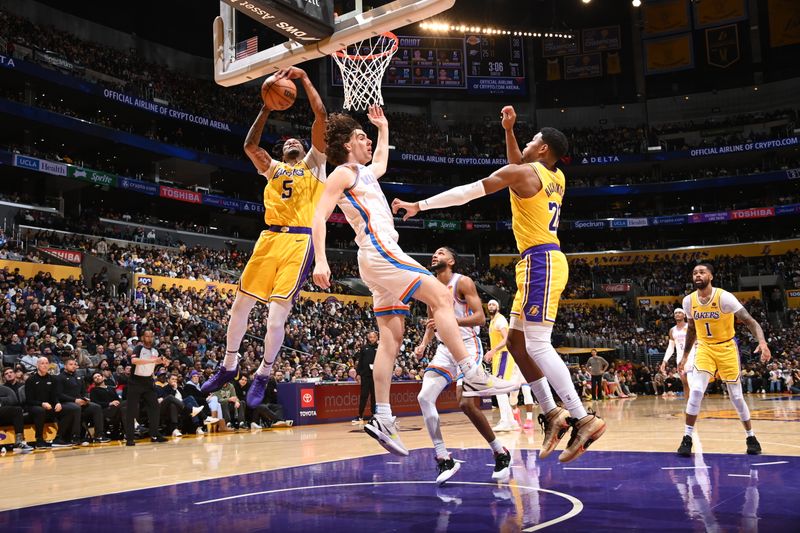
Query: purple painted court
x,y
642,491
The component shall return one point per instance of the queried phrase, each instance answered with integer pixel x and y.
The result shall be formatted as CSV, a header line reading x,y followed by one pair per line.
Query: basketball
x,y
278,94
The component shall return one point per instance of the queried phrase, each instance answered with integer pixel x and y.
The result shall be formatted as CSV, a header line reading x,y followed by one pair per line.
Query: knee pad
x,y
738,401
695,399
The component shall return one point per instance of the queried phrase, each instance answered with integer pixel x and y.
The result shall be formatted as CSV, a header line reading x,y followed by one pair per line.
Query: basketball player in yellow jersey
x,y
711,312
504,366
283,253
536,188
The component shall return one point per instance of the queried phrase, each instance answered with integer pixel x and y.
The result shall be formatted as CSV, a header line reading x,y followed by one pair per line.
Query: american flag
x,y
247,47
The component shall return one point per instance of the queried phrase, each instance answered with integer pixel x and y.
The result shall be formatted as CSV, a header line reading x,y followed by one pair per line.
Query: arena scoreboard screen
x,y
475,63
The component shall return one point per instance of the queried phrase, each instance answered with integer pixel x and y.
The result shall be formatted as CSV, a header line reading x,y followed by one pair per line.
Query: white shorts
x,y
392,276
446,366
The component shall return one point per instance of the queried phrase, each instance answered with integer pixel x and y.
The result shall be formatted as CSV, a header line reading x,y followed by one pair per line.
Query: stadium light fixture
x,y
636,3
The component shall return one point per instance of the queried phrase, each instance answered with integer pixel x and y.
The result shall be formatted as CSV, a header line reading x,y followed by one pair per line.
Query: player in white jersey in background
x,y
677,341
391,275
443,369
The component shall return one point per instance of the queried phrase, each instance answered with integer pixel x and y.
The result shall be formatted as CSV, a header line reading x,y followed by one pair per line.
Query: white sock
x,y
537,342
264,369
529,416
383,409
541,389
467,365
441,450
231,360
750,432
497,446
689,430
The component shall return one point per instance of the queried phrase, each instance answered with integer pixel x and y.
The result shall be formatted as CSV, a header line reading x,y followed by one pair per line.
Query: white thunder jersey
x,y
468,333
679,336
366,209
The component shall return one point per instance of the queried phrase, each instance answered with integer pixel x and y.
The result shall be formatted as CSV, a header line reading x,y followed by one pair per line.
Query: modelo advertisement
x,y
309,403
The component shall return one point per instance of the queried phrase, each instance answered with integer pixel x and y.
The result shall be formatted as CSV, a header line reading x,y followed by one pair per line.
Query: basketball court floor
x,y
333,477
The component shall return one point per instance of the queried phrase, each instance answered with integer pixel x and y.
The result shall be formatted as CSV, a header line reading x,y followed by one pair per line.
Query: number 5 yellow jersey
x,y
535,220
292,191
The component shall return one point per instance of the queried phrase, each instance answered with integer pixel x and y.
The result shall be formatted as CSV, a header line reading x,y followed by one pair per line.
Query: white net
x,y
362,65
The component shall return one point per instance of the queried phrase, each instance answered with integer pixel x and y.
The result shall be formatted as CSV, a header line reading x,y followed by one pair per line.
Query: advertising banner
x,y
71,256
92,176
182,195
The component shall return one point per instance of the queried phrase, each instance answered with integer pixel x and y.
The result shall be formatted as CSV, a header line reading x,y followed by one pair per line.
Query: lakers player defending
x,y
281,259
677,341
536,188
392,276
504,366
443,369
712,312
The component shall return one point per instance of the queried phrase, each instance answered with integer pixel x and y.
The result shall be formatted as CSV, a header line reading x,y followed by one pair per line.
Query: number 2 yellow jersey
x,y
292,191
535,220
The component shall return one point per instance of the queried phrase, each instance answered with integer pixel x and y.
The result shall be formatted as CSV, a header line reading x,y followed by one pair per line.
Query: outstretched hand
x,y
508,117
411,208
376,116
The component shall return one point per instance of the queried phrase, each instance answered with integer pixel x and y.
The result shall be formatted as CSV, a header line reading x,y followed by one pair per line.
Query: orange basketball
x,y
278,94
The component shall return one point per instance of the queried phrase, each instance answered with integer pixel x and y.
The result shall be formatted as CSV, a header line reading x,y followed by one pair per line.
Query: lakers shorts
x,y
444,364
721,359
503,365
542,275
391,276
279,265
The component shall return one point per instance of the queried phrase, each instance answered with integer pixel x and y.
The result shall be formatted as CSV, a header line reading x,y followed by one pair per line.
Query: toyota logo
x,y
307,397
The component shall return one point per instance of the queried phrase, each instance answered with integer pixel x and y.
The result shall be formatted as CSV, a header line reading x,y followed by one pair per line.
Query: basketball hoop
x,y
363,69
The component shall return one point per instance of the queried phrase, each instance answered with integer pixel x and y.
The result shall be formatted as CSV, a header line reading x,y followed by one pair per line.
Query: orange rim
x,y
342,54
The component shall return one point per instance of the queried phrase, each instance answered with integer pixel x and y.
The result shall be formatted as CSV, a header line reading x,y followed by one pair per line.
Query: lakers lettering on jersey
x,y
542,272
713,319
282,256
292,191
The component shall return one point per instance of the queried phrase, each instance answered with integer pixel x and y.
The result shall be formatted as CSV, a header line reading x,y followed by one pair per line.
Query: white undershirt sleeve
x,y
455,196
728,303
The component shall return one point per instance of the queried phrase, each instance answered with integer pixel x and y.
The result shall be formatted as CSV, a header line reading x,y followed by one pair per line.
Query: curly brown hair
x,y
338,131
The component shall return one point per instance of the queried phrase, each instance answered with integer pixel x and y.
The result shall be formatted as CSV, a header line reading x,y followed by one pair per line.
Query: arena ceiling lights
x,y
446,27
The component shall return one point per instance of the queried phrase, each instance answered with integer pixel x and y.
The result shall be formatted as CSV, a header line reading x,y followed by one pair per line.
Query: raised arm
x,y
260,157
339,180
508,119
755,328
380,156
315,101
500,179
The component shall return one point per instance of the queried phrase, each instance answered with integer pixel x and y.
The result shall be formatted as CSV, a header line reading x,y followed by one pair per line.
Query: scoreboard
x,y
476,63
495,64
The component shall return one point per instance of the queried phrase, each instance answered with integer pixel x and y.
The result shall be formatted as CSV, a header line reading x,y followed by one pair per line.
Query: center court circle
x,y
451,498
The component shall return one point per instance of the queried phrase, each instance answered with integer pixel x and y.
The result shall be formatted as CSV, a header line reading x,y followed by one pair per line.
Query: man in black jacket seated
x,y
41,396
108,400
11,412
177,410
72,391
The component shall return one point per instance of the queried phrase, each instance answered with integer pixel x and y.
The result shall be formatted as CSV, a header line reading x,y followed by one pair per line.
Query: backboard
x,y
348,28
